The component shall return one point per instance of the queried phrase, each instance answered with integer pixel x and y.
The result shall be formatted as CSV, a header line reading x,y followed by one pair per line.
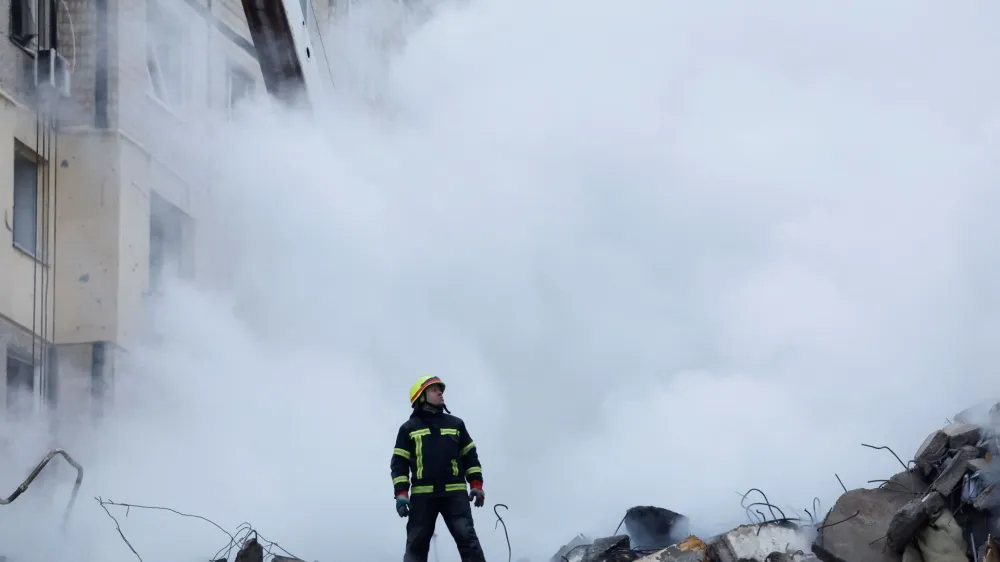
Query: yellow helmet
x,y
421,385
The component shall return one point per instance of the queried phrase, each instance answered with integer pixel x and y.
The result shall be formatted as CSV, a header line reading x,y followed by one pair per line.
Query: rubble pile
x,y
940,507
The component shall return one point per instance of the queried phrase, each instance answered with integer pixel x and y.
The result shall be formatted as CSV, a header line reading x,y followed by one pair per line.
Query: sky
x,y
659,253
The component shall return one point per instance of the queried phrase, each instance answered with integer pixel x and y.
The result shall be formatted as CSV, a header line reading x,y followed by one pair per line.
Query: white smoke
x,y
661,254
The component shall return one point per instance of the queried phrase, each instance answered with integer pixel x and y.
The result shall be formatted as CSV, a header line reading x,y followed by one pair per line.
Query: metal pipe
x,y
38,469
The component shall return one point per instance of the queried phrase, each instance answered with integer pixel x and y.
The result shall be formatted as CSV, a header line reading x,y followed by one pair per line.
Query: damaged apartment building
x,y
99,103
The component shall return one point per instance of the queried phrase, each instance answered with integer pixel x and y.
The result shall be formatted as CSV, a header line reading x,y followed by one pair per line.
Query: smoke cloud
x,y
660,254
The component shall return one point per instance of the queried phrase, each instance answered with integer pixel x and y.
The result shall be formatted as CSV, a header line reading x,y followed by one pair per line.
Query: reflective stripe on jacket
x,y
434,454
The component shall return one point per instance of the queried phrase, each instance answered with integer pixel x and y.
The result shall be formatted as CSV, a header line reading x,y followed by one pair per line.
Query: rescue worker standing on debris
x,y
435,448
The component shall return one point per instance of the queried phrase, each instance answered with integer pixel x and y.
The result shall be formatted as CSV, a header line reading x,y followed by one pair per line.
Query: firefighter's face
x,y
435,395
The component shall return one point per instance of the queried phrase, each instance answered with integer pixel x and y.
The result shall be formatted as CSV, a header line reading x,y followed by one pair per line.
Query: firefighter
x,y
435,449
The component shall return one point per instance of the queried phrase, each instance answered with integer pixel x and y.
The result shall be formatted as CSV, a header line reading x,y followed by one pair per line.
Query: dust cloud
x,y
660,254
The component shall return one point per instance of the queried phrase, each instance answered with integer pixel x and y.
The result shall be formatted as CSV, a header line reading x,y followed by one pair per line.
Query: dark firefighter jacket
x,y
434,454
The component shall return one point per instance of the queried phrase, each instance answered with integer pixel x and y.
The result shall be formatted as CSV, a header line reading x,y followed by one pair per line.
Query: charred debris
x,y
942,506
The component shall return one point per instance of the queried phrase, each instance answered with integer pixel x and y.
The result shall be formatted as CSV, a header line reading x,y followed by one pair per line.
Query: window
x,y
166,243
239,85
25,223
22,22
20,382
164,54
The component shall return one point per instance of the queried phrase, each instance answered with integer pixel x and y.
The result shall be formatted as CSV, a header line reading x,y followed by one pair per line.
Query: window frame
x,y
24,363
25,39
170,31
236,71
23,156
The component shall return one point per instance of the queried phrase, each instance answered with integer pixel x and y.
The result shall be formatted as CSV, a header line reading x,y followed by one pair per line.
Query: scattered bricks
x,y
934,448
962,434
910,518
853,530
953,471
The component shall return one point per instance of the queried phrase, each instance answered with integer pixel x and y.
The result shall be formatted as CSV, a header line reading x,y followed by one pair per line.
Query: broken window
x,y
23,27
20,382
239,85
25,220
164,54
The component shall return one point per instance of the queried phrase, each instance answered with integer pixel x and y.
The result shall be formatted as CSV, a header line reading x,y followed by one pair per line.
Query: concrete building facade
x,y
103,185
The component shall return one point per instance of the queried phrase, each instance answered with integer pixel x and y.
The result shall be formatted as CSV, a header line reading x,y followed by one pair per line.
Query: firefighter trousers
x,y
457,514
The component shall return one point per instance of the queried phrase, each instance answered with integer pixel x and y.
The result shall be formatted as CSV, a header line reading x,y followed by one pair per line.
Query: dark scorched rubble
x,y
941,507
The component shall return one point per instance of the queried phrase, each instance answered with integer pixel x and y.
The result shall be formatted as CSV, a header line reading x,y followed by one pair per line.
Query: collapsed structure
x,y
938,508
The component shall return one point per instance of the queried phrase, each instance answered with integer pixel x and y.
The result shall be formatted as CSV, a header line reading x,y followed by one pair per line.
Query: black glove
x,y
402,505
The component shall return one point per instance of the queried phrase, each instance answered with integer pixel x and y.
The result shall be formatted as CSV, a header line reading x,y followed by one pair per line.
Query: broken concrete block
x,y
652,527
908,481
853,530
975,465
610,549
691,549
912,517
278,558
962,434
953,471
756,542
933,449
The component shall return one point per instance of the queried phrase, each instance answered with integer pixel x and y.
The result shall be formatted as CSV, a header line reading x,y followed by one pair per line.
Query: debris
x,y
911,518
572,551
610,549
853,529
691,549
794,557
962,434
756,542
992,550
986,499
942,540
654,527
932,450
278,558
953,471
252,551
908,481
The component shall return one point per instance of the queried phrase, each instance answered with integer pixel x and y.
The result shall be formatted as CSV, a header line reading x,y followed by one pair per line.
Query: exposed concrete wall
x,y
89,202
